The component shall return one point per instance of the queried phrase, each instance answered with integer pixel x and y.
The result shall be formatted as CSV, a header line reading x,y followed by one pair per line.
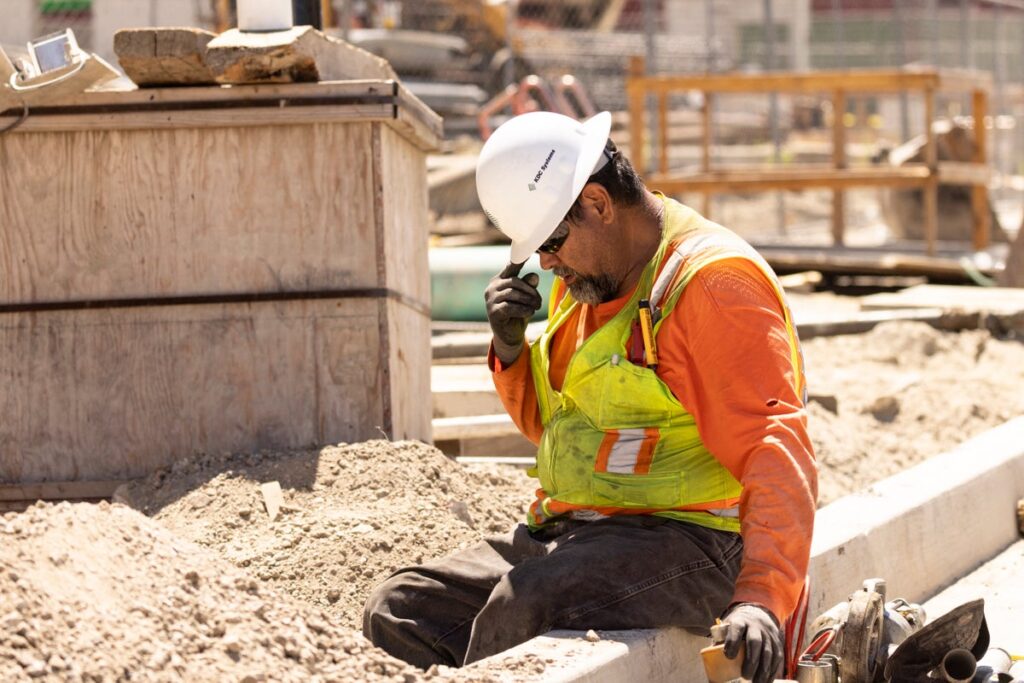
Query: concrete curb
x,y
920,530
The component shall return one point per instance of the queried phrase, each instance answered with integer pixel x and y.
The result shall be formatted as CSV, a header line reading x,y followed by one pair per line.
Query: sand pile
x,y
905,392
101,593
352,514
97,593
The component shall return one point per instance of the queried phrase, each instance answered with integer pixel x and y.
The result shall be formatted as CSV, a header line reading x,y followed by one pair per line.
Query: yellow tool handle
x,y
647,329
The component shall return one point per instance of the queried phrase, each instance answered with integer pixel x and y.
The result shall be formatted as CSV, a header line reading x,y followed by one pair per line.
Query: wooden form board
x,y
138,214
998,300
181,283
838,84
237,106
116,393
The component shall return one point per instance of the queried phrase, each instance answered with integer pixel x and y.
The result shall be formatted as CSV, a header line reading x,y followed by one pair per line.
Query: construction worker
x,y
666,397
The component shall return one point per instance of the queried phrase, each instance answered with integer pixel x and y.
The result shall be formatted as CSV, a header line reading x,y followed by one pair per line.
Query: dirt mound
x,y
352,513
905,392
98,593
101,593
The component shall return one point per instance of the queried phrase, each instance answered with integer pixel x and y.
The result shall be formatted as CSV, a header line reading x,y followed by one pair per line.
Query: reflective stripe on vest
x,y
616,440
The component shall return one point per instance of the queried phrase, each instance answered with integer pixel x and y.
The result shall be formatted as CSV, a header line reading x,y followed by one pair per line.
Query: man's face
x,y
587,289
583,259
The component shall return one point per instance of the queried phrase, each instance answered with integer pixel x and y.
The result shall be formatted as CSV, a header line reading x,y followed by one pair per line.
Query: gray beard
x,y
590,289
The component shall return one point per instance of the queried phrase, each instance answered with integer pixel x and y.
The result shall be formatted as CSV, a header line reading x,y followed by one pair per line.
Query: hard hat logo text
x,y
543,167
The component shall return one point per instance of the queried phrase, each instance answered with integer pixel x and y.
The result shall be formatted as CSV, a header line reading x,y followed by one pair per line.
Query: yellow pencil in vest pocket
x,y
647,329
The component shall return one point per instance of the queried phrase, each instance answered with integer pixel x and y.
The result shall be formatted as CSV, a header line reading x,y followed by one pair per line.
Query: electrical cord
x,y
795,636
17,122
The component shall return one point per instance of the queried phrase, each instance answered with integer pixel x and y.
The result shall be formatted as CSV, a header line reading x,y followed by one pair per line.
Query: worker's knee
x,y
409,617
386,605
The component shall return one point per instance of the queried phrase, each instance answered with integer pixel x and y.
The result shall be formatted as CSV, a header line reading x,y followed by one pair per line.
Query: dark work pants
x,y
616,573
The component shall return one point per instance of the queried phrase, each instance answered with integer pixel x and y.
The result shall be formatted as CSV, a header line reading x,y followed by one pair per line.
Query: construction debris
x,y
903,208
164,56
299,54
272,498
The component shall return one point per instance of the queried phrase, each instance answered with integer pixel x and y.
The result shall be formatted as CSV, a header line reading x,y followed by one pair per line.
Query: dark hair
x,y
623,184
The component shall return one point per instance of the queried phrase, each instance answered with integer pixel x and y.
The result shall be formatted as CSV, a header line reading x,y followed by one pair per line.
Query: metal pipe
x,y
997,659
958,666
821,671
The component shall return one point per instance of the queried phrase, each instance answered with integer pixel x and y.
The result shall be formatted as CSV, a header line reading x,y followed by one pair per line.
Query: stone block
x,y
164,56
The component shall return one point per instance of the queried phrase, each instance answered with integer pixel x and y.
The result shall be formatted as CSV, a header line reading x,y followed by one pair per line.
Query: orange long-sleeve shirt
x,y
724,353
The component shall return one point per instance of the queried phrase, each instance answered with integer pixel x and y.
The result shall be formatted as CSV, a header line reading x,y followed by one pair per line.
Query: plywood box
x,y
212,269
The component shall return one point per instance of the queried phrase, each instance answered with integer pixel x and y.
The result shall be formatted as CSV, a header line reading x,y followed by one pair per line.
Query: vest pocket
x,y
632,396
638,490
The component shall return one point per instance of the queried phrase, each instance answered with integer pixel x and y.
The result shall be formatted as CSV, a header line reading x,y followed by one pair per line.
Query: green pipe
x,y
459,276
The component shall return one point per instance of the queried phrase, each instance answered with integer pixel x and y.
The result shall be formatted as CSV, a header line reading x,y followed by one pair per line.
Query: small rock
x,y
232,645
592,636
461,511
36,669
885,408
199,500
333,595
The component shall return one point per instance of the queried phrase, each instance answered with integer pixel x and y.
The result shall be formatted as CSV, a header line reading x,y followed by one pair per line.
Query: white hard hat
x,y
532,169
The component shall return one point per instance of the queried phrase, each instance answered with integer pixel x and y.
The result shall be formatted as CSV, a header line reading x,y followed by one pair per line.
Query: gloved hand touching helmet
x,y
511,301
756,628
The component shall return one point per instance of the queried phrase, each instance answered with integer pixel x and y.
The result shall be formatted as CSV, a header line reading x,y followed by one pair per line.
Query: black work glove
x,y
511,302
756,628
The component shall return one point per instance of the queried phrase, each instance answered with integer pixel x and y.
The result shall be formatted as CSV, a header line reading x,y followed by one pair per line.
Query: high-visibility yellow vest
x,y
616,440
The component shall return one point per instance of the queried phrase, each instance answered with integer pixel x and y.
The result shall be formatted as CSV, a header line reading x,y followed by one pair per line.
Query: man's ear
x,y
597,199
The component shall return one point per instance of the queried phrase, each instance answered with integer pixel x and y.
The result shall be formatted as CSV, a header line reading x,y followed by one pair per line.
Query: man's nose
x,y
548,261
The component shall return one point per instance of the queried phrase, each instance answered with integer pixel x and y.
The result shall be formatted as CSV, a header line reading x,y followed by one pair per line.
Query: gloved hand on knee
x,y
756,628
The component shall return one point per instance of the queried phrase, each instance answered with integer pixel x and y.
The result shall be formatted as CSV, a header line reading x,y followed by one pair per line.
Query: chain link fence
x,y
460,53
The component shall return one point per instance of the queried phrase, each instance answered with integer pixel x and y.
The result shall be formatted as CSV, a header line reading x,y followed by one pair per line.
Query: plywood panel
x,y
123,214
403,205
408,333
116,393
350,377
244,105
403,172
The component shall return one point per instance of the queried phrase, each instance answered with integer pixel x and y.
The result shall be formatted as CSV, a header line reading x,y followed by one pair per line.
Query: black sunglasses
x,y
554,243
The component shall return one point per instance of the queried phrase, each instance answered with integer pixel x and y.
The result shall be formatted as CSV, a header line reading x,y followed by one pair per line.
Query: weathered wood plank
x,y
472,427
113,215
999,300
404,267
115,394
298,54
244,105
164,56
273,499
775,178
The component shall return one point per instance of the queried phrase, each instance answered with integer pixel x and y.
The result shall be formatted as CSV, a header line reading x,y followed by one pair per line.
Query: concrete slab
x,y
1000,581
997,300
920,530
